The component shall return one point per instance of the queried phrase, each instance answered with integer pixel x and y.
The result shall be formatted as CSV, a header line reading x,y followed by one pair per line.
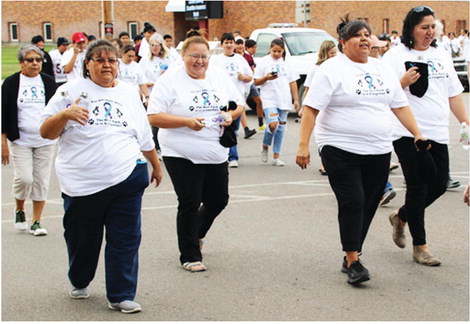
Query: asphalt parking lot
x,y
273,255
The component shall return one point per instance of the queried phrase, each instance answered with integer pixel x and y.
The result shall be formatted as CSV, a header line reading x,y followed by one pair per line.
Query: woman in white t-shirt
x,y
277,81
131,72
187,104
24,96
103,131
431,101
354,94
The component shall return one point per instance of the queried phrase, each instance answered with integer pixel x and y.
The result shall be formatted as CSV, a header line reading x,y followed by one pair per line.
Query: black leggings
x,y
358,182
420,195
202,191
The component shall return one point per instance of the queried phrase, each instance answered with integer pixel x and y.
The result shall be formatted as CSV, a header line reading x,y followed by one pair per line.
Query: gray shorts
x,y
253,91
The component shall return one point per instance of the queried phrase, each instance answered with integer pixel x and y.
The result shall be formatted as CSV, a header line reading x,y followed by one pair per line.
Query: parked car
x,y
462,71
302,46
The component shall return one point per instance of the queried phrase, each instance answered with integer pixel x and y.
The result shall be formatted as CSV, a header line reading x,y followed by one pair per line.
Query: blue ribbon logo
x,y
107,108
205,96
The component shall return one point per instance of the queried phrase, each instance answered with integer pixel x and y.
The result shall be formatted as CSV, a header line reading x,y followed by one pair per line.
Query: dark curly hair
x,y
413,18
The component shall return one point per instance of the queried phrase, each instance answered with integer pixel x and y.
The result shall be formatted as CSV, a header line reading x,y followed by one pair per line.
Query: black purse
x,y
229,138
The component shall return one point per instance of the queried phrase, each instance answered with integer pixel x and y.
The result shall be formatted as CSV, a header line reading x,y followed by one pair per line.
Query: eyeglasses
x,y
101,60
199,57
421,9
32,59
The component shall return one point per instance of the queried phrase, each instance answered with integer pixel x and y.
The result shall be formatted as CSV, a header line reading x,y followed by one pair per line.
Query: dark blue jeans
x,y
117,209
202,191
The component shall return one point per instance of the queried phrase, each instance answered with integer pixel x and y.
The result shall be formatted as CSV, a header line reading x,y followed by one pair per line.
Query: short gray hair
x,y
25,49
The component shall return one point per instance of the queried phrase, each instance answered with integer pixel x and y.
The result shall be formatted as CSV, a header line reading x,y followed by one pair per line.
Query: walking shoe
x,y
126,306
387,196
424,257
262,128
37,230
278,163
398,233
264,155
451,184
393,166
233,164
357,273
249,133
20,220
77,293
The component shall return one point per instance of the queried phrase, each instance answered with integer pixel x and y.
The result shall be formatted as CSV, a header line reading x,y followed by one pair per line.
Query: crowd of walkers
x,y
123,107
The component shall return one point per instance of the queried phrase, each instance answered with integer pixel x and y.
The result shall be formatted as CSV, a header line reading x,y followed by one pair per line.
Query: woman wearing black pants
x,y
432,96
354,94
187,105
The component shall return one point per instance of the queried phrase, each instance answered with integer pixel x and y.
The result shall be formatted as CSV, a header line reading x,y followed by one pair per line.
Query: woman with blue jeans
x,y
104,136
277,81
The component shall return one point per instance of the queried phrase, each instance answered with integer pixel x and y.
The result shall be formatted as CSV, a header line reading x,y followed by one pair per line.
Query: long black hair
x,y
413,18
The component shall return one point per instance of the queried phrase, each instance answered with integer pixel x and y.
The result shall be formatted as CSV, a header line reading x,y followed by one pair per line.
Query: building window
x,y
386,26
13,32
47,31
133,29
461,24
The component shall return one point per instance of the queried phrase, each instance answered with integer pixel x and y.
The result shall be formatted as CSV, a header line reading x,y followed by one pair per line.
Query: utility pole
x,y
108,15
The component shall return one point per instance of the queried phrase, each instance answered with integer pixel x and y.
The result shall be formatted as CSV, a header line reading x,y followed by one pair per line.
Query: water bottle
x,y
464,136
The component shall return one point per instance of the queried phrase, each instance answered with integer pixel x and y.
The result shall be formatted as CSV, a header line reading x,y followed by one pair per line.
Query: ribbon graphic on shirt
x,y
431,65
107,108
34,93
205,96
370,81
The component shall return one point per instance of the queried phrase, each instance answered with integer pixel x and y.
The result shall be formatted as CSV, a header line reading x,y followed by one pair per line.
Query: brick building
x,y
23,19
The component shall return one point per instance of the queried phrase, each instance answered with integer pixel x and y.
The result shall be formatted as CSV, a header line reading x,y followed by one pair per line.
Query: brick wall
x,y
68,17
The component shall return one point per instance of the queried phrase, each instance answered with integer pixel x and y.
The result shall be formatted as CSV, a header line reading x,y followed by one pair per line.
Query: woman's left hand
x,y
156,176
227,117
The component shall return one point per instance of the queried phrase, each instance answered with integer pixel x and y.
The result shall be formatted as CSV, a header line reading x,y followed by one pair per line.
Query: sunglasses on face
x,y
421,9
32,59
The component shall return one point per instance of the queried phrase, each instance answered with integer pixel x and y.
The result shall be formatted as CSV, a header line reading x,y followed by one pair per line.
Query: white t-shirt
x,y
233,65
144,48
59,75
395,41
31,102
310,74
131,73
432,110
176,93
276,93
77,72
354,100
103,152
154,68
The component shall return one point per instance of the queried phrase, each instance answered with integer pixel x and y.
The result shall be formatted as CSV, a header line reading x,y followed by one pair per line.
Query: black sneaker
x,y
249,133
357,273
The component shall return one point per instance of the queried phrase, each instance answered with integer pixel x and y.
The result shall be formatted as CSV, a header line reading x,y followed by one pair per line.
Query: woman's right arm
x,y
164,120
53,126
309,115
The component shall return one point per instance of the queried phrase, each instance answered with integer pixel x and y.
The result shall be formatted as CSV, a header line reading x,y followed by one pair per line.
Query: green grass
x,y
10,63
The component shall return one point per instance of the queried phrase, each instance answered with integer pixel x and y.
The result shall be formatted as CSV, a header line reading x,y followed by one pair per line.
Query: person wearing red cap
x,y
72,59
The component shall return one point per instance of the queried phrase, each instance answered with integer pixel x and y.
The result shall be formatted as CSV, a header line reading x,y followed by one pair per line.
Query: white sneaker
x,y
126,306
20,220
37,230
233,164
264,155
77,293
278,163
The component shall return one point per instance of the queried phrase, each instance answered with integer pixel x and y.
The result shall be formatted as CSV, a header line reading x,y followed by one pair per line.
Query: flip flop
x,y
194,266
